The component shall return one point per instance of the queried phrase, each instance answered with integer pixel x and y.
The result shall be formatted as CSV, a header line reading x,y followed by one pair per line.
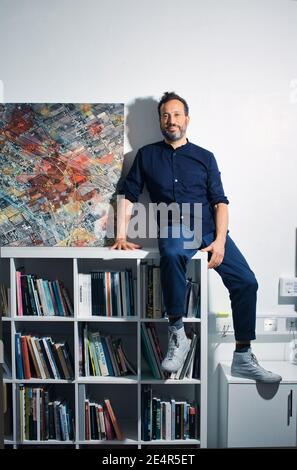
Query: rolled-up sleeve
x,y
132,186
214,184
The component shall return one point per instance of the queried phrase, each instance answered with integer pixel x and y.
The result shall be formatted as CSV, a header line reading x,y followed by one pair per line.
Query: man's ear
x,y
188,119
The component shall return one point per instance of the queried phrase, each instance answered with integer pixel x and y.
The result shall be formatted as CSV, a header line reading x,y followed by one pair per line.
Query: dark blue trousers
x,y
234,271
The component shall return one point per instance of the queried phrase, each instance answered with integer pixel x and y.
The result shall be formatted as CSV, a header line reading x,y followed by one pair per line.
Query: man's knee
x,y
171,253
250,283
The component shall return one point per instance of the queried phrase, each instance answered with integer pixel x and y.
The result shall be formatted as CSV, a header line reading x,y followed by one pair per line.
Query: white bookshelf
x,y
66,264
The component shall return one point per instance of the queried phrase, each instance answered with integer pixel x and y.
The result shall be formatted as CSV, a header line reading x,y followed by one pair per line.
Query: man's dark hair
x,y
171,95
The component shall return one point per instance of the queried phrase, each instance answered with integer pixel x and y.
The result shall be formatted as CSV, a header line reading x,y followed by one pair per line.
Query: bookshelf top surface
x,y
85,252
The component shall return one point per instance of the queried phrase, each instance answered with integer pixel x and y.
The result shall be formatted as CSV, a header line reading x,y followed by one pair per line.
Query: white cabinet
x,y
258,415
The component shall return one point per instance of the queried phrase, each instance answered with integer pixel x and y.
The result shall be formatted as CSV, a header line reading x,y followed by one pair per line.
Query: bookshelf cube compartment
x,y
107,350
47,297
45,413
170,413
154,346
107,288
123,401
152,304
48,359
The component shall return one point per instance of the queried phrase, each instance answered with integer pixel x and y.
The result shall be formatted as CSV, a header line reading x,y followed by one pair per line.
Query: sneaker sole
x,y
270,381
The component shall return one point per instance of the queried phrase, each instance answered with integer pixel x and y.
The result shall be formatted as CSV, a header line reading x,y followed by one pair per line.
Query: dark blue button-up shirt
x,y
187,174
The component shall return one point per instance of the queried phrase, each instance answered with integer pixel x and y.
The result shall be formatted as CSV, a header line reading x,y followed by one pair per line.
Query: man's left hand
x,y
217,248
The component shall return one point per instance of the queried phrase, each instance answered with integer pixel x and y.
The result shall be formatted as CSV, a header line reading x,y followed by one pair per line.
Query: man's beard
x,y
172,136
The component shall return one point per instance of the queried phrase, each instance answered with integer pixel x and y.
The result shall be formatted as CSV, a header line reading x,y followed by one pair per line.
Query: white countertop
x,y
287,370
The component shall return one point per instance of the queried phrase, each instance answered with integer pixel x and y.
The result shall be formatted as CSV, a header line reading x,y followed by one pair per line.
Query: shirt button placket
x,y
175,179
173,154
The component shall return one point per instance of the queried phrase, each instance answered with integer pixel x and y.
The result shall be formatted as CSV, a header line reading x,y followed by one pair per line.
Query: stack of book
x,y
100,422
42,419
167,419
151,350
102,355
107,293
152,297
42,358
192,299
41,297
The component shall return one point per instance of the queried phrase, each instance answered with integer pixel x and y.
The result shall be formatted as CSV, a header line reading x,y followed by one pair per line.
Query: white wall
x,y
235,63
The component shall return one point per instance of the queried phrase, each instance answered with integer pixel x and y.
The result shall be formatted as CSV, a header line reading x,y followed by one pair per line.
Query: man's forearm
x,y
221,221
123,217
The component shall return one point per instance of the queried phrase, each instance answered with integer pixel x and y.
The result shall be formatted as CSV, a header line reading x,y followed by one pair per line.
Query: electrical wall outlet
x,y
270,324
288,287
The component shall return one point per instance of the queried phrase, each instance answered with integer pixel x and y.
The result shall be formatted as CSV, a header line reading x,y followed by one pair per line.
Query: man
x,y
176,170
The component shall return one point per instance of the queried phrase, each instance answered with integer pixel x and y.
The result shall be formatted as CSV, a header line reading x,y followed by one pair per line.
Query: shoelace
x,y
172,343
254,359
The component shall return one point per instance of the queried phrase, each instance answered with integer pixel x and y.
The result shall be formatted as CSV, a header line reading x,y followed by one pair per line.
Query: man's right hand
x,y
123,244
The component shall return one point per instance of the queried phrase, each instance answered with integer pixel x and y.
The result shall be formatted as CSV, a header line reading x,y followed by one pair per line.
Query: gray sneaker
x,y
178,348
246,365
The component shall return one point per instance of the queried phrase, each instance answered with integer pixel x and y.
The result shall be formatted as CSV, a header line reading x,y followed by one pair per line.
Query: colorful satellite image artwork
x,y
59,167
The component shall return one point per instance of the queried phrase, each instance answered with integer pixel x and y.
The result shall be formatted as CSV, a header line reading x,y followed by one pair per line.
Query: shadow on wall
x,y
142,128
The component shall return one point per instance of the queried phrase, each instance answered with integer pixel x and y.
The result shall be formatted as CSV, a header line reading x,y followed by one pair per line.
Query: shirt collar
x,y
171,148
